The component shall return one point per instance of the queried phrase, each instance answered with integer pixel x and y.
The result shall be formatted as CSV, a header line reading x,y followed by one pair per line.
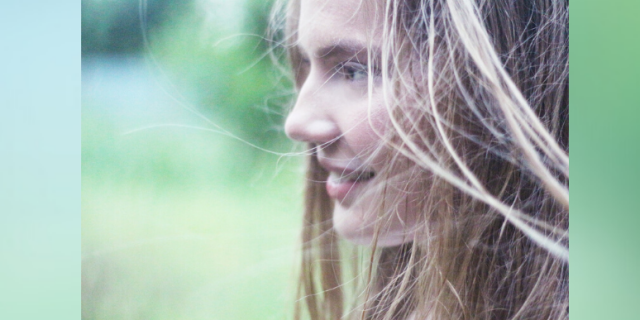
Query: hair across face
x,y
439,132
341,112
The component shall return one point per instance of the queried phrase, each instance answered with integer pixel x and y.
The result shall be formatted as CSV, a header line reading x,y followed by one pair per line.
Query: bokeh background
x,y
191,197
144,258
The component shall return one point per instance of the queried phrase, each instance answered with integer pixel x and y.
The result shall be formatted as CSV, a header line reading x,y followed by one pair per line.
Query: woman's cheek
x,y
367,122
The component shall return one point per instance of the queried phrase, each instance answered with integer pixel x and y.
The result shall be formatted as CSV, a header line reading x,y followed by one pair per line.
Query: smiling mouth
x,y
342,186
356,176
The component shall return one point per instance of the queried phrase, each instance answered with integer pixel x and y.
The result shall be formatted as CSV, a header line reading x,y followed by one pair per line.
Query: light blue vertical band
x,y
40,160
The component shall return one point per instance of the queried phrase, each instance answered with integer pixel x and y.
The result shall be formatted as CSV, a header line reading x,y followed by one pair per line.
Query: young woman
x,y
438,134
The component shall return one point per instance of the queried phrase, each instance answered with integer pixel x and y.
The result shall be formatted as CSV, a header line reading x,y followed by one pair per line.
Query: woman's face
x,y
338,113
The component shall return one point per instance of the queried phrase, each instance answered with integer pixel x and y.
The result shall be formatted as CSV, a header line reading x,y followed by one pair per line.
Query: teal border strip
x,y
40,160
605,150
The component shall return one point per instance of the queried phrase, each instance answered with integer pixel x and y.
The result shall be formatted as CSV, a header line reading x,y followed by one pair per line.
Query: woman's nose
x,y
310,120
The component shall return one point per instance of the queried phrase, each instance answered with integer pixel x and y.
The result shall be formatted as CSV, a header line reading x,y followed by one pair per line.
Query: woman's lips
x,y
341,186
345,177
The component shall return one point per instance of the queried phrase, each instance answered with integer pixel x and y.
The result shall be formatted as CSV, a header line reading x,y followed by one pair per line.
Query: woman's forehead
x,y
326,23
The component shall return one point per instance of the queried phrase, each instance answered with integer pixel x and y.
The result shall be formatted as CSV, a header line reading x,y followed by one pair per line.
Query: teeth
x,y
352,177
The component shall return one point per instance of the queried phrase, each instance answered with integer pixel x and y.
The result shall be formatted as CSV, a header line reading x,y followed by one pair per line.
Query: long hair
x,y
479,110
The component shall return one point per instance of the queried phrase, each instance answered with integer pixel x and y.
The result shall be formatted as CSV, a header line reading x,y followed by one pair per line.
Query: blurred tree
x,y
210,55
113,26
230,70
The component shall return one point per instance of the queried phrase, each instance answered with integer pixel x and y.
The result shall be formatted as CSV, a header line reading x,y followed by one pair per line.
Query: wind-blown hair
x,y
479,111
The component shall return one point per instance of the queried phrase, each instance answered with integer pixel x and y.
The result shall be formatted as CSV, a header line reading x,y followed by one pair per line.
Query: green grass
x,y
178,224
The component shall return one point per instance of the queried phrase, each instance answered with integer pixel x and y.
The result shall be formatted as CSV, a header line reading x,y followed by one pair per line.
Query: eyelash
x,y
353,71
350,69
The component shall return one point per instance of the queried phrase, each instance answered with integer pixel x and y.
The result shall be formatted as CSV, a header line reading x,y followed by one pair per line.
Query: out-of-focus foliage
x,y
190,204
113,26
200,47
231,72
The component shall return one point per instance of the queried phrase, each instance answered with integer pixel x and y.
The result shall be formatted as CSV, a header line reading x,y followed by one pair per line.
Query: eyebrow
x,y
340,49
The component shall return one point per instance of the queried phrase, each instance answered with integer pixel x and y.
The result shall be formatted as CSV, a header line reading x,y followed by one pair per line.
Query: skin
x,y
338,113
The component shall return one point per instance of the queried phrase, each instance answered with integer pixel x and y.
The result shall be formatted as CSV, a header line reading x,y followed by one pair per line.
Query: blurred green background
x,y
182,223
190,210
605,146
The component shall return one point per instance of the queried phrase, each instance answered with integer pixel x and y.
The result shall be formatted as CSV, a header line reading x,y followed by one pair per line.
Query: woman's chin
x,y
357,225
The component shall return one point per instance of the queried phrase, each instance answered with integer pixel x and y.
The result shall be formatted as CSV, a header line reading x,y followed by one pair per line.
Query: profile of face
x,y
341,110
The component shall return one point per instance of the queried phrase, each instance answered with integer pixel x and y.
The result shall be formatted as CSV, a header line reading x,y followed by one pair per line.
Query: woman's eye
x,y
354,71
